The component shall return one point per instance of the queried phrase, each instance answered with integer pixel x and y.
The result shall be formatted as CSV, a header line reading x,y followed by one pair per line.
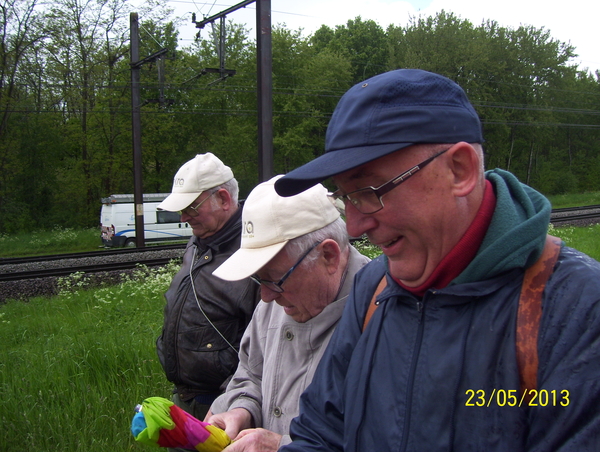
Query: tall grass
x,y
574,200
586,239
56,241
73,367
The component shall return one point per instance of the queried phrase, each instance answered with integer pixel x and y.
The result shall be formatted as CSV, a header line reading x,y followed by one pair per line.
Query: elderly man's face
x,y
413,228
205,220
306,291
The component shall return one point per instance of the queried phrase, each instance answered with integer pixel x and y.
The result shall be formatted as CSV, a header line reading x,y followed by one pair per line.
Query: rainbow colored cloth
x,y
159,422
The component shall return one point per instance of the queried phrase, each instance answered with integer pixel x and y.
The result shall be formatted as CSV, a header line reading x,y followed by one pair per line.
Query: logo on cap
x,y
248,227
178,182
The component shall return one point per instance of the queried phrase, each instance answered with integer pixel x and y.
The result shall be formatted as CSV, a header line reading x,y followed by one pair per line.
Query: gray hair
x,y
232,188
299,245
435,148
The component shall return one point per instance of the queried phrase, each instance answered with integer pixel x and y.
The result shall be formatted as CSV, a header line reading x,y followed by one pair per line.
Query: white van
x,y
117,221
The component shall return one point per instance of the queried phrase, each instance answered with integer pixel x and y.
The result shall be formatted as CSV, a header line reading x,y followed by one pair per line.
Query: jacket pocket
x,y
205,357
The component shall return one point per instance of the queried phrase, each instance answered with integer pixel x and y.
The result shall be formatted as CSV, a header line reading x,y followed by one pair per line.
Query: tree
x,y
20,34
363,43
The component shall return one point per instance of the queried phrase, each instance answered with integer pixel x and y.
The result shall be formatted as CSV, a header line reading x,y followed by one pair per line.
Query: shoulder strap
x,y
374,303
530,313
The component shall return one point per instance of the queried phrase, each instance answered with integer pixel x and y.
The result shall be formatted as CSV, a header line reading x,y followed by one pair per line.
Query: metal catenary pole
x,y
138,194
264,80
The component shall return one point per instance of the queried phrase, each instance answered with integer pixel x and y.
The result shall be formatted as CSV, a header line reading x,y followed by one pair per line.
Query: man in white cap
x,y
297,249
204,320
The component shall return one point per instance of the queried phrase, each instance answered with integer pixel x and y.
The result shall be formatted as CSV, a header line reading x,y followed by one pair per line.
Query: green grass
x,y
584,239
574,200
73,367
367,248
56,241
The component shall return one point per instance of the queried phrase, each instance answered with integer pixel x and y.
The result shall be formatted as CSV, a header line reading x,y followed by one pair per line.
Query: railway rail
x,y
65,271
578,216
106,252
28,268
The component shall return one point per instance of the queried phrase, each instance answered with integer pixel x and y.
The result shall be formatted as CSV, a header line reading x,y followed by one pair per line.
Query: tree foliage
x,y
65,100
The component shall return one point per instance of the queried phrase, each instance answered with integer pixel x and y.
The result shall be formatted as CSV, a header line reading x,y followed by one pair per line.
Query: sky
x,y
574,22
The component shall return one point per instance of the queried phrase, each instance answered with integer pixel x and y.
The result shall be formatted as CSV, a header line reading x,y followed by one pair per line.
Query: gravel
x,y
577,223
25,289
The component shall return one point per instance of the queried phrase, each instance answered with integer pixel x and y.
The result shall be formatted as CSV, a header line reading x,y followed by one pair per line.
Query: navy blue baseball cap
x,y
384,114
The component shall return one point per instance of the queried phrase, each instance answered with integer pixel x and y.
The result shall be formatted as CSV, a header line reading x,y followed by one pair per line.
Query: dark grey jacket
x,y
196,357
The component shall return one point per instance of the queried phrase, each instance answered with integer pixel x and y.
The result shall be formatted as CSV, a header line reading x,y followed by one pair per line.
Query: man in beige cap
x,y
297,249
204,320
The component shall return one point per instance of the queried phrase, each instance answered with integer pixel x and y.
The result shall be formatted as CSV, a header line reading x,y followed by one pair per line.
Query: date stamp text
x,y
511,397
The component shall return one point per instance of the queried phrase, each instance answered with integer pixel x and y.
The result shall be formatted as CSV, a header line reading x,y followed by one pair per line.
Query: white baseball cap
x,y
270,221
203,172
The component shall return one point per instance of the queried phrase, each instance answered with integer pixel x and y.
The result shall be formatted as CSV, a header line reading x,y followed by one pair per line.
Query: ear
x,y
331,255
465,165
224,199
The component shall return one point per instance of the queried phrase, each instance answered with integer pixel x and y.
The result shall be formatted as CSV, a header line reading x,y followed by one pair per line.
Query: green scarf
x,y
517,233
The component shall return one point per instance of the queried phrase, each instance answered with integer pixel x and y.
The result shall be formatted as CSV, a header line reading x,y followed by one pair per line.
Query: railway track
x,y
576,215
65,271
575,218
107,252
15,269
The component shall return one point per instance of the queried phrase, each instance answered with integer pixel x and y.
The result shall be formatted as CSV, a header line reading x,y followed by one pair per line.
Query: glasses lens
x,y
268,284
272,286
365,200
188,211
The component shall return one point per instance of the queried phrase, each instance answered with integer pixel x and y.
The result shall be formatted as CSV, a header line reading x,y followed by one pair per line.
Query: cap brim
x,y
177,201
247,261
330,164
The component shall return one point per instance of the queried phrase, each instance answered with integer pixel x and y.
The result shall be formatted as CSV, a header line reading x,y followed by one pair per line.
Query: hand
x,y
255,440
233,421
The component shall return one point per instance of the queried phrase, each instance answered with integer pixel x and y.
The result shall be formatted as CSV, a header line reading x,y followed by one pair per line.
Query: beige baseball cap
x,y
203,172
269,221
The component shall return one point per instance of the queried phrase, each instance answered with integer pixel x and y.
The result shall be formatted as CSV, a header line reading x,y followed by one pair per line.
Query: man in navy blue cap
x,y
437,350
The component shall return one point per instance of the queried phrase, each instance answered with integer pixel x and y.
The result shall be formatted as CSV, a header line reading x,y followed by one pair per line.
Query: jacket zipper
x,y
411,375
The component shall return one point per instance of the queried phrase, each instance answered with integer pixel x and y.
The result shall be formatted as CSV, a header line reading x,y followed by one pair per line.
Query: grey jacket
x,y
196,357
278,358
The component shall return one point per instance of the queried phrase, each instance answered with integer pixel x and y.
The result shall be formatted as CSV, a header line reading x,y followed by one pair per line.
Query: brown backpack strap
x,y
374,303
530,313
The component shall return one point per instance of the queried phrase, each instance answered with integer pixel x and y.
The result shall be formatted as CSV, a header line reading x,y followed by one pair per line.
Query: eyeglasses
x,y
276,286
195,208
368,200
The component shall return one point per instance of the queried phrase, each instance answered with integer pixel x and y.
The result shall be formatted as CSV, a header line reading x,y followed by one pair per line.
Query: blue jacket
x,y
440,373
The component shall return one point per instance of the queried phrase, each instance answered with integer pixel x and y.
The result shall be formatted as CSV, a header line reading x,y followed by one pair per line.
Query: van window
x,y
163,216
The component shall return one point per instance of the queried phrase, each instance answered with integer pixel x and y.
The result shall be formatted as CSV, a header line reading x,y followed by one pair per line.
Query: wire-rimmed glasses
x,y
368,200
276,286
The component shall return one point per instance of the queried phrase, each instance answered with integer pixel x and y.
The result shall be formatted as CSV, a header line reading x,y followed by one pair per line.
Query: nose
x,y
358,223
267,295
185,217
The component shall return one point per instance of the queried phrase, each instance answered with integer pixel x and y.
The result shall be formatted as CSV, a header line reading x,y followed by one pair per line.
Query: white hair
x,y
336,230
232,188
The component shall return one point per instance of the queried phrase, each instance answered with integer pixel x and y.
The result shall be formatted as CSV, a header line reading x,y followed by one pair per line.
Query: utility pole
x,y
264,80
136,124
265,89
136,132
